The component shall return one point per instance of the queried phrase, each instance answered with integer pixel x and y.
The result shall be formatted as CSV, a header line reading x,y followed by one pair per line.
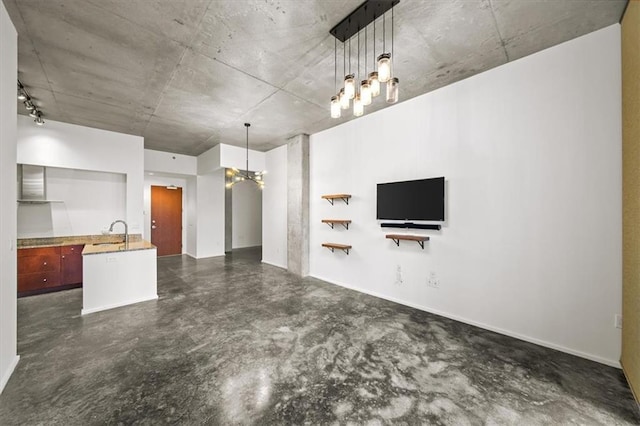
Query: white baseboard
x,y
206,257
7,374
609,362
274,264
117,305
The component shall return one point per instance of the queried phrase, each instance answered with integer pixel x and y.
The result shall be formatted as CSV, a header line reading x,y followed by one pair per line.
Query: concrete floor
x,y
233,341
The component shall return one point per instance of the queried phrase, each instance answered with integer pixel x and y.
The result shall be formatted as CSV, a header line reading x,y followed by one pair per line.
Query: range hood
x,y
32,184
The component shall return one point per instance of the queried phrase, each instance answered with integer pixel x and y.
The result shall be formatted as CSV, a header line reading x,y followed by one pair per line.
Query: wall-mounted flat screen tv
x,y
411,200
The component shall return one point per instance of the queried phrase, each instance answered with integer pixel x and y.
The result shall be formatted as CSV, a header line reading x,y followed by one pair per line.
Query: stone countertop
x,y
75,240
102,248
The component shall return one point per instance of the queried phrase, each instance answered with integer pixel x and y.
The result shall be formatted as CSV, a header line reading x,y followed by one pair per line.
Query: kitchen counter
x,y
73,240
100,248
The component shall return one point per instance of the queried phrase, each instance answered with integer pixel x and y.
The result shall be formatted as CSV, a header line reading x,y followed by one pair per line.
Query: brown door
x,y
166,220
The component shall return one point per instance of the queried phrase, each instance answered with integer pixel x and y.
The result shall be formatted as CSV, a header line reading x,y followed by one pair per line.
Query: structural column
x,y
298,205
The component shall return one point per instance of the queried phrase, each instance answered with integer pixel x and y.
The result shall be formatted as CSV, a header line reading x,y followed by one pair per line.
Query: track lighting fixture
x,y
362,88
39,121
34,112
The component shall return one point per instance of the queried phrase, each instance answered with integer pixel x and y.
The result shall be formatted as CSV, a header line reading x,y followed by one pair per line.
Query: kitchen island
x,y
115,274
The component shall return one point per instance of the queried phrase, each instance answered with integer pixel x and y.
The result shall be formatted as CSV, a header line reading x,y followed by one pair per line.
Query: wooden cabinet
x,y
71,265
44,269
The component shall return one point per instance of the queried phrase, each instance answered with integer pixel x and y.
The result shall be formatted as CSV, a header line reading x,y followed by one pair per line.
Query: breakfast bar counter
x,y
115,274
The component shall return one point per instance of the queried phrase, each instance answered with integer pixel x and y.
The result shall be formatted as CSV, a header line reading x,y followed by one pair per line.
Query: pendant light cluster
x,y
242,175
34,112
363,87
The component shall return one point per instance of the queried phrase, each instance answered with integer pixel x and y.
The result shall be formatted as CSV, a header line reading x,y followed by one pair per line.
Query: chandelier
x,y
362,88
242,175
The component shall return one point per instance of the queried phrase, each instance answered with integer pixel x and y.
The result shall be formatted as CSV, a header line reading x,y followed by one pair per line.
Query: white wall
x,y
90,202
70,146
8,181
274,211
167,162
210,214
165,181
246,215
192,218
531,152
236,157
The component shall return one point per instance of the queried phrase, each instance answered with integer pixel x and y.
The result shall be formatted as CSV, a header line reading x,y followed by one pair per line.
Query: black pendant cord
x,y
358,78
384,33
247,169
335,65
349,56
393,59
365,50
374,41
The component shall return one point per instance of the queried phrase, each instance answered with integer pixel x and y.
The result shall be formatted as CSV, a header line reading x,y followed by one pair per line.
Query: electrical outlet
x,y
398,274
617,321
432,281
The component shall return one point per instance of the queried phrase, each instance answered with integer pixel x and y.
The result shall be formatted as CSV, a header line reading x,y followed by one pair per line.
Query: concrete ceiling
x,y
186,74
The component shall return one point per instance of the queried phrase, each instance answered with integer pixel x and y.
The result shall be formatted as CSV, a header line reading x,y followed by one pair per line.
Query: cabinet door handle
x,y
63,257
45,263
44,280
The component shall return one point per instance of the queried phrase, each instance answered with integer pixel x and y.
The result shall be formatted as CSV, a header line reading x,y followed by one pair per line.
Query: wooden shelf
x,y
332,222
420,239
331,197
333,246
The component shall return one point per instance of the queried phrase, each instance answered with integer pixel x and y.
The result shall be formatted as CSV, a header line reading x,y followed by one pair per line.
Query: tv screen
x,y
411,200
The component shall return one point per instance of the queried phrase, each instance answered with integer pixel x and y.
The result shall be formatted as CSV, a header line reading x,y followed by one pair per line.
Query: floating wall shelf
x,y
332,222
333,246
420,239
331,197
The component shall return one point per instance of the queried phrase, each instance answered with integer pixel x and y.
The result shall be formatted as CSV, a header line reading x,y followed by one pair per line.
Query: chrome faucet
x,y
126,231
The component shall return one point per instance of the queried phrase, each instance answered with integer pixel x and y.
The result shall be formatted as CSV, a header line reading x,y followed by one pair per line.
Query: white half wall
x,y
531,153
246,212
71,146
8,184
274,208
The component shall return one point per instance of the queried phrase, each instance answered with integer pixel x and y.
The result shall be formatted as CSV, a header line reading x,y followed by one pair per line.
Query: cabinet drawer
x,y
75,249
39,280
39,251
42,263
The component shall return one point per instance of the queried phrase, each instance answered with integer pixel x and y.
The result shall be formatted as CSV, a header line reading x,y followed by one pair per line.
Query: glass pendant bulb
x,y
335,107
365,93
344,100
358,108
384,67
392,90
350,86
374,84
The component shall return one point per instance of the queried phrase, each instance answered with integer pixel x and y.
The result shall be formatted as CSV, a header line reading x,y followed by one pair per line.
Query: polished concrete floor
x,y
234,341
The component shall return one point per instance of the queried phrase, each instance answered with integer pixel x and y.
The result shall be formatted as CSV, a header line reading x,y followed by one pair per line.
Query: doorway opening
x,y
243,216
166,219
